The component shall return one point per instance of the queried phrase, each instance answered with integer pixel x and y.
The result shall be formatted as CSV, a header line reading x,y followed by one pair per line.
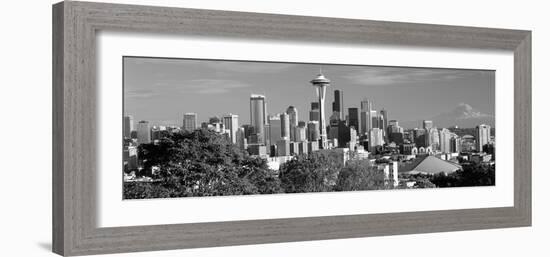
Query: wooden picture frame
x,y
75,25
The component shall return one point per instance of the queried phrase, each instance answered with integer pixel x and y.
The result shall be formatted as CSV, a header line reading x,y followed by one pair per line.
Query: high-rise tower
x,y
128,126
189,121
353,118
258,117
285,126
366,120
143,132
231,122
338,104
321,83
483,136
293,116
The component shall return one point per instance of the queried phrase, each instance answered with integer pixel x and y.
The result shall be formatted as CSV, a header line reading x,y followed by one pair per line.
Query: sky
x,y
161,90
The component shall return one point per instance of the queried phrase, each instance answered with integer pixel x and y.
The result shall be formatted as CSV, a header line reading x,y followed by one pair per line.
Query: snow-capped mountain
x,y
464,116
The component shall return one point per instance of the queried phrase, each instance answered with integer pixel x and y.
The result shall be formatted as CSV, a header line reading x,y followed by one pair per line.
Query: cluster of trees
x,y
471,175
200,163
204,163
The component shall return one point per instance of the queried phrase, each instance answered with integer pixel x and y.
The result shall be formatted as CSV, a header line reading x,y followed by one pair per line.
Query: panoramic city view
x,y
194,128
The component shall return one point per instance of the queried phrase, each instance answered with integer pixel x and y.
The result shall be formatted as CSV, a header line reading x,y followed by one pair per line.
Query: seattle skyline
x,y
263,118
160,90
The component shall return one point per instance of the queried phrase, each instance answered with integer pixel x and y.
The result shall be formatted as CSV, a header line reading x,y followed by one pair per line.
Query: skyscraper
x,y
275,131
128,126
293,119
241,138
366,121
338,104
285,126
231,123
314,112
313,132
352,138
353,118
321,83
189,121
258,116
445,141
374,119
483,136
376,138
419,137
432,138
301,133
456,144
143,132
384,119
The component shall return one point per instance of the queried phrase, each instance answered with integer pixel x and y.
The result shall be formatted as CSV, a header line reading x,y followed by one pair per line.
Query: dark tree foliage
x,y
424,183
470,175
314,172
200,163
360,175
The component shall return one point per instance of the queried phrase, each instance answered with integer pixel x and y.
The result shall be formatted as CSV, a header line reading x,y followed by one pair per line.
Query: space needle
x,y
321,83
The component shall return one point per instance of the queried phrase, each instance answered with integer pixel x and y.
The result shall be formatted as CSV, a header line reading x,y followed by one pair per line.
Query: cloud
x,y
380,76
201,86
214,65
249,67
139,93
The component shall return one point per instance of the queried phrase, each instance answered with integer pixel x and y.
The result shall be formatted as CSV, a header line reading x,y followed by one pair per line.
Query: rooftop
x,y
431,165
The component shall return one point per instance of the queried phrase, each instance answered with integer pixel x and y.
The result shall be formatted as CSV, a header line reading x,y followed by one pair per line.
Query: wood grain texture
x,y
74,126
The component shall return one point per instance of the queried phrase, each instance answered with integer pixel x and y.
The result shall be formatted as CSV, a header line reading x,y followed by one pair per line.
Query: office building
x,y
283,147
231,123
143,132
376,138
190,122
312,146
128,126
483,136
445,141
374,119
285,126
407,149
432,138
130,158
293,119
314,112
353,118
275,129
300,133
419,137
352,144
390,170
338,104
302,147
383,119
256,149
241,140
313,131
456,144
258,116
294,148
366,120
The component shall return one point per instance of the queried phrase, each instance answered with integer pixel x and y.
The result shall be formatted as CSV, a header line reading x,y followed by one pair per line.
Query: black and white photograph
x,y
194,127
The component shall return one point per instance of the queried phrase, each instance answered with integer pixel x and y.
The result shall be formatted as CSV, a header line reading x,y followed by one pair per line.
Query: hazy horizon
x,y
161,90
